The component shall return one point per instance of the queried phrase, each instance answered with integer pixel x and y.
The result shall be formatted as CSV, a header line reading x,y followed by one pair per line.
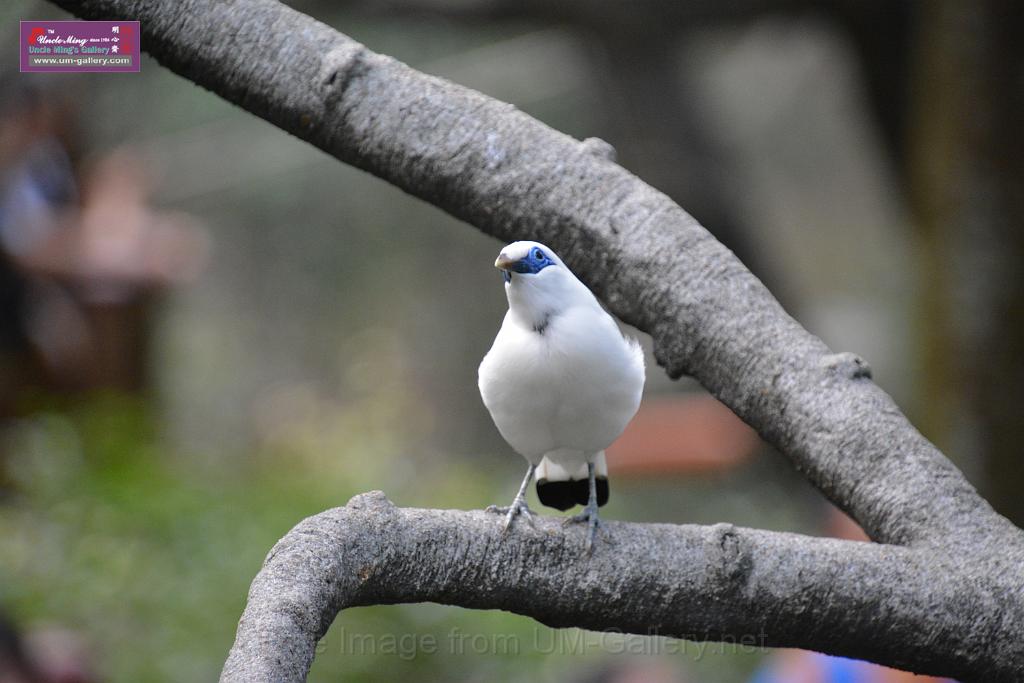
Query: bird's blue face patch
x,y
534,262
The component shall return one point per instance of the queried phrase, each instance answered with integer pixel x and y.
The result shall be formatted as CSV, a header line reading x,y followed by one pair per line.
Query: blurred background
x,y
210,330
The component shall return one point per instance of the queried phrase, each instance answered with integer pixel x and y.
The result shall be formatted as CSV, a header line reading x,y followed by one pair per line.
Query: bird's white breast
x,y
575,385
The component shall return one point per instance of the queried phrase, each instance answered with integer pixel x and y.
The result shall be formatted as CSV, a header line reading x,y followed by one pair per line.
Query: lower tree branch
x,y
883,603
945,594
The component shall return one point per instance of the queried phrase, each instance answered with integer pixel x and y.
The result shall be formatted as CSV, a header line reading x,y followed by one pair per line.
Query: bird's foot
x,y
518,507
590,518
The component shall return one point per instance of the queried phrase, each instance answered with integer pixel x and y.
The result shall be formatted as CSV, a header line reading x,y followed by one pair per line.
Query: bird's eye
x,y
538,254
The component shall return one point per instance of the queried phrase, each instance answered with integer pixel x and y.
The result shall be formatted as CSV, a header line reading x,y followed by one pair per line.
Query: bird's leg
x,y
518,506
589,514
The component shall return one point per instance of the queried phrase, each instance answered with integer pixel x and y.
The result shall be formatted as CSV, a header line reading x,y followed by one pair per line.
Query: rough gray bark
x,y
942,590
890,603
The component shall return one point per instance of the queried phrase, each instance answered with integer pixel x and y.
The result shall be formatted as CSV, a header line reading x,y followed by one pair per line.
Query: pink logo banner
x,y
80,46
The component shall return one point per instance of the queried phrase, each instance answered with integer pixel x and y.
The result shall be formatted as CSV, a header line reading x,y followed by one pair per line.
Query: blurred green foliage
x,y
149,553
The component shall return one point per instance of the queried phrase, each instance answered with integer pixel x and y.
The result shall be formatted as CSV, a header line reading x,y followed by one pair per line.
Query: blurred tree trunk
x,y
967,178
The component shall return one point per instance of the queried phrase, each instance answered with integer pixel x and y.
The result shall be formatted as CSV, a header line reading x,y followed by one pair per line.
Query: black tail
x,y
562,495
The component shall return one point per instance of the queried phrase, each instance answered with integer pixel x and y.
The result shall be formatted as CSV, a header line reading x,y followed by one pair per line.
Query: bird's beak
x,y
504,262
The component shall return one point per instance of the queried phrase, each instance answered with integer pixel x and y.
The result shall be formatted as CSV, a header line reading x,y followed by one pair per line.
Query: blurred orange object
x,y
117,247
682,434
97,275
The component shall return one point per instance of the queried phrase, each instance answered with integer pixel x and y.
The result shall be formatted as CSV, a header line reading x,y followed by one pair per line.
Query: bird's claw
x,y
518,507
590,517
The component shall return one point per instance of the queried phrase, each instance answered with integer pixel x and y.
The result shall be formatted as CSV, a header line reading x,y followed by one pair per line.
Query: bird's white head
x,y
538,284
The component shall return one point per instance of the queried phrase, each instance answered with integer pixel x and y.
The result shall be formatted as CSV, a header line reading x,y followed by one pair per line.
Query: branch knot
x,y
340,66
371,500
848,365
598,148
726,553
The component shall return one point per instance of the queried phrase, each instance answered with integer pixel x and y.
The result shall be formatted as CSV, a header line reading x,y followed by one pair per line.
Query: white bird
x,y
561,382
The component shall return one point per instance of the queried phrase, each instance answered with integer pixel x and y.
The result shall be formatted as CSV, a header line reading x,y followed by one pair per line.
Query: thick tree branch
x,y
515,178
892,604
